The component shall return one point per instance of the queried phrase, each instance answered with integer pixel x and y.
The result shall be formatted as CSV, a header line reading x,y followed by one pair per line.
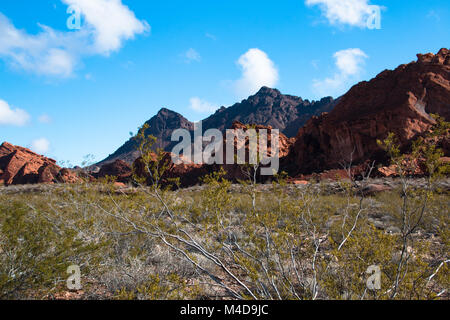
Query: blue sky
x,y
68,93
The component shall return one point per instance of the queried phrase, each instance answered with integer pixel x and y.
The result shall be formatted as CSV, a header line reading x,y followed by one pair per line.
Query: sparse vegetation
x,y
126,243
231,241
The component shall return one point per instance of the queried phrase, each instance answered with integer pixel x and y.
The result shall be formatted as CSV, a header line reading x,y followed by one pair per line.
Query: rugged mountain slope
x,y
398,101
161,126
22,166
268,107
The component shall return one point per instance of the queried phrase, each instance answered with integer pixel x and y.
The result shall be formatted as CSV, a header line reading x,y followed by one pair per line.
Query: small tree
x,y
415,201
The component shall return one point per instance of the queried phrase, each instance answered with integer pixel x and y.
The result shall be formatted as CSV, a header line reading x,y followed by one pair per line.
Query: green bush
x,y
34,251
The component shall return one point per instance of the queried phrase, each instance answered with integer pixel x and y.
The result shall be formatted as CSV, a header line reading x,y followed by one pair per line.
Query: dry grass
x,y
118,260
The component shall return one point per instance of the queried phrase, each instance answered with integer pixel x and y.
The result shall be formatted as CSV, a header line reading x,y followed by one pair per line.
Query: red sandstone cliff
x,y
22,166
398,101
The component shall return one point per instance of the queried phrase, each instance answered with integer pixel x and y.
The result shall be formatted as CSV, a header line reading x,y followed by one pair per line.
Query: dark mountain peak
x,y
167,119
266,102
161,126
266,91
167,113
268,107
221,109
270,95
326,100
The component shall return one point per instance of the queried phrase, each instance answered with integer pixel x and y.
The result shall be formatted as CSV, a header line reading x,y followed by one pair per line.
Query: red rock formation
x,y
234,171
119,169
67,176
298,182
398,101
190,173
285,143
22,166
356,172
411,166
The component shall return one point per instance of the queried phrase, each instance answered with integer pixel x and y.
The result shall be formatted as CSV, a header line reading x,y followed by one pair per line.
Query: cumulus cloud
x,y
44,53
202,106
107,24
13,117
349,12
257,71
40,146
349,65
110,21
192,55
349,61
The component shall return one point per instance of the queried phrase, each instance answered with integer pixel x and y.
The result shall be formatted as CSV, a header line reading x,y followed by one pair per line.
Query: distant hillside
x,y
267,107
161,126
270,108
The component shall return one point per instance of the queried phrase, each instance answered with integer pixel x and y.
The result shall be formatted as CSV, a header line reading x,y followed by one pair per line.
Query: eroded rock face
x,y
285,143
67,176
235,172
19,165
119,169
190,174
398,101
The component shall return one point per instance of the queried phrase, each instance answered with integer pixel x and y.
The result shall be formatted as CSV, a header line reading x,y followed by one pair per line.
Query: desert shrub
x,y
309,244
290,245
34,251
241,241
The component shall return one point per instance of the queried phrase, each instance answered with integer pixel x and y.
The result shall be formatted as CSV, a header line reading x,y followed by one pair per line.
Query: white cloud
x,y
57,62
349,65
192,55
349,61
108,23
44,119
350,12
257,71
14,117
202,106
40,146
111,22
44,53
